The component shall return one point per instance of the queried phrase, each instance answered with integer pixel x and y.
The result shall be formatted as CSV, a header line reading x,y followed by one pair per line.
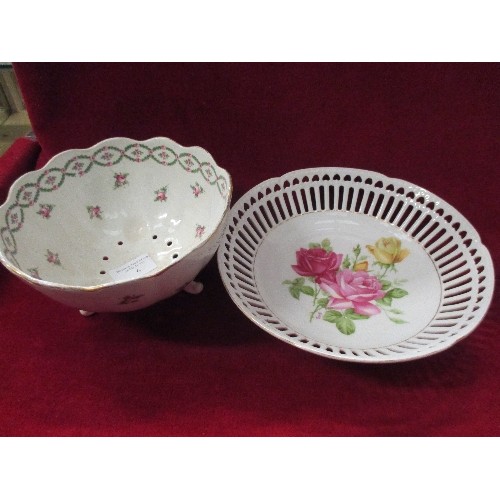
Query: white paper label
x,y
134,269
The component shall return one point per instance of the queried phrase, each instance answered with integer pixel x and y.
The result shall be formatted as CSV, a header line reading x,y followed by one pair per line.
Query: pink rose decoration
x,y
316,262
353,289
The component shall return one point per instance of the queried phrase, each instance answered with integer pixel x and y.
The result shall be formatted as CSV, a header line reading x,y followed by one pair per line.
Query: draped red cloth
x,y
194,365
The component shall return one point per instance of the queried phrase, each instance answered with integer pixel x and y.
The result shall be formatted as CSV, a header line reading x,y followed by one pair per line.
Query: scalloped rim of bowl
x,y
49,284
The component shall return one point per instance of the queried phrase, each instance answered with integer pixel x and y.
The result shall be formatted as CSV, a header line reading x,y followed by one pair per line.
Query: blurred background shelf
x,y
14,119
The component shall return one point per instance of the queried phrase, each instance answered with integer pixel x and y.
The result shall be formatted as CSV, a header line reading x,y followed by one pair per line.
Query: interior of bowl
x,y
96,216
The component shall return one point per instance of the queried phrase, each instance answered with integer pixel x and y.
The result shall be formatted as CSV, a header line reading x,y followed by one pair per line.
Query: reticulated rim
x,y
271,200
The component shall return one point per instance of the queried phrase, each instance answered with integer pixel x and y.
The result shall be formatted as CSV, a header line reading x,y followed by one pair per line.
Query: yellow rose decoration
x,y
388,250
361,266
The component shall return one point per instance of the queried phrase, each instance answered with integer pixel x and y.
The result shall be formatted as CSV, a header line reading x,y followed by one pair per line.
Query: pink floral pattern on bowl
x,y
200,230
53,258
197,189
120,180
95,212
45,210
351,287
161,194
107,184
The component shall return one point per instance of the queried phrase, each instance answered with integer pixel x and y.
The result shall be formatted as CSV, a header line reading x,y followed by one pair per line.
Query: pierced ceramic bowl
x,y
352,265
118,226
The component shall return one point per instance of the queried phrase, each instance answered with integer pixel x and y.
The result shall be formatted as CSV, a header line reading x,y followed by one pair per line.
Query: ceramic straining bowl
x,y
118,226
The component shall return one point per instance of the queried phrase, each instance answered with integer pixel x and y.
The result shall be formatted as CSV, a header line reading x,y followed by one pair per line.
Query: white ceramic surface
x,y
352,265
118,226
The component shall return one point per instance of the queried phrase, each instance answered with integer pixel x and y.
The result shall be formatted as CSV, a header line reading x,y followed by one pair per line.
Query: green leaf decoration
x,y
357,250
349,313
396,311
386,301
326,245
398,321
295,292
308,290
346,325
314,245
397,293
346,264
383,266
322,302
332,316
298,281
385,284
287,282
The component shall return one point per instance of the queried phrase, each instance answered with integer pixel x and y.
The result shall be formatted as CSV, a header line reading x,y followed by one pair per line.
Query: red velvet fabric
x,y
194,365
17,160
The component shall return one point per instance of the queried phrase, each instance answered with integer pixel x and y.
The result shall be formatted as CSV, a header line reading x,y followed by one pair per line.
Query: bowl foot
x,y
86,313
194,287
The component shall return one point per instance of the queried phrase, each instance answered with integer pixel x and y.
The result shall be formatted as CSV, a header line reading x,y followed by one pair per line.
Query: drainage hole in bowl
x,y
120,243
175,256
169,243
105,258
102,272
155,236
